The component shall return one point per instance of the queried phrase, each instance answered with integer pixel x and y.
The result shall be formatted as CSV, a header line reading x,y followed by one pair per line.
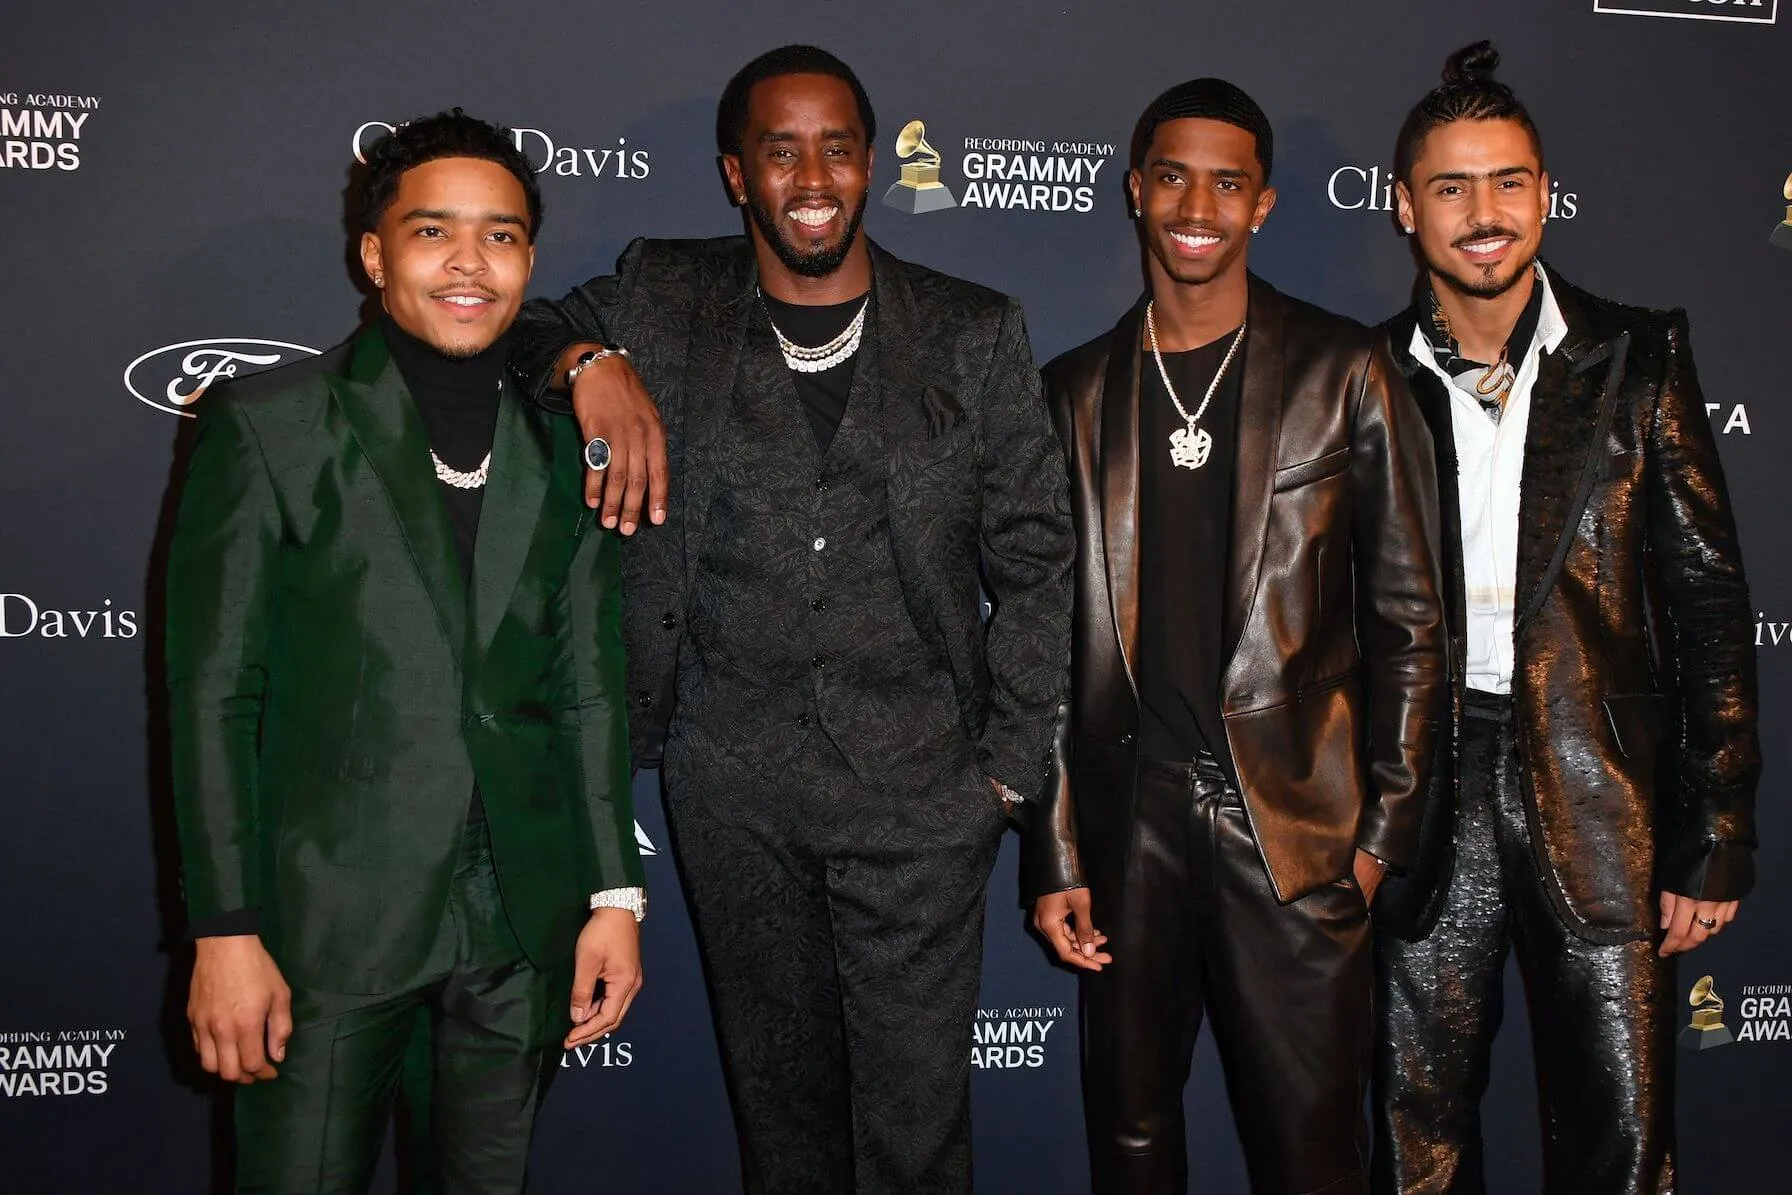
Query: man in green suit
x,y
395,674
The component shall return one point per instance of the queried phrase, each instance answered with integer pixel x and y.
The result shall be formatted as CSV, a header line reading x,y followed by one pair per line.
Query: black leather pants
x,y
1601,1024
1198,931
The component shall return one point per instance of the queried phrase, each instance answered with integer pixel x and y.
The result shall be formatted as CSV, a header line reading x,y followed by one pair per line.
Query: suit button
x,y
819,605
820,543
802,719
643,699
669,621
819,661
1126,739
821,485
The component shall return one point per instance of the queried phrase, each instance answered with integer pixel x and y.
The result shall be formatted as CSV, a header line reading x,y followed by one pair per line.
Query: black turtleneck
x,y
457,398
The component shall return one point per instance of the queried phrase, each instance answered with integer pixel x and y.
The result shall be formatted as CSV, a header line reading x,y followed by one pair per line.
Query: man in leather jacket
x,y
1257,662
1593,802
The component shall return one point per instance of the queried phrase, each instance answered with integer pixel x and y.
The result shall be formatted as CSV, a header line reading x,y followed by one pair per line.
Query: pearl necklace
x,y
1190,446
837,351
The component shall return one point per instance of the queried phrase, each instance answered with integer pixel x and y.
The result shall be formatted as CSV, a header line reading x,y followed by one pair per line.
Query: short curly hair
x,y
451,134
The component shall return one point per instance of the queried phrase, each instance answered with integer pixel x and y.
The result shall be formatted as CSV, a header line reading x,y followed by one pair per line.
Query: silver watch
x,y
591,357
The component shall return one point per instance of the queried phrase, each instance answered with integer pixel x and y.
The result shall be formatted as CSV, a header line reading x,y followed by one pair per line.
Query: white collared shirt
x,y
1490,465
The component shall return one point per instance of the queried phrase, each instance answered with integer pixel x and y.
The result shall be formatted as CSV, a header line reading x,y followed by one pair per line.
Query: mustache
x,y
1484,233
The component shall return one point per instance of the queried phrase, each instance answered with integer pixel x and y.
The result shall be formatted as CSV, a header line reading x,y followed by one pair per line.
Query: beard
x,y
1484,282
813,263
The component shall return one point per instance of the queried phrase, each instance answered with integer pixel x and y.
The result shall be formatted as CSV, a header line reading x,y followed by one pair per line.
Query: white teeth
x,y
1193,242
1486,247
465,300
814,217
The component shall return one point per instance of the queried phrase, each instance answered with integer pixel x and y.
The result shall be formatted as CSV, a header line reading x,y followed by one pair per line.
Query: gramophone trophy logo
x,y
1706,1030
1782,232
919,189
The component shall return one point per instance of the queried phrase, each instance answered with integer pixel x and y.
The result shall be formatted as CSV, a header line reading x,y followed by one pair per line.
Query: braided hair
x,y
1469,92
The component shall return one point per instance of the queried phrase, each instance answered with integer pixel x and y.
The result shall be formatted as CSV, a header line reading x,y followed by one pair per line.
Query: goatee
x,y
818,263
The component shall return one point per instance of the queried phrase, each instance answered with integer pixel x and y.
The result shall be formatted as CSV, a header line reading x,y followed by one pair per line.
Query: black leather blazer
x,y
1634,677
1332,620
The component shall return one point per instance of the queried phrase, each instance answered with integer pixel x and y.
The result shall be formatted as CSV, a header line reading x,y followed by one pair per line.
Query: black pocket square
x,y
943,412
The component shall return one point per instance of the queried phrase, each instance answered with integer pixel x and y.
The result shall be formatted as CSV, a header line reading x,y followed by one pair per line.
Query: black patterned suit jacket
x,y
976,485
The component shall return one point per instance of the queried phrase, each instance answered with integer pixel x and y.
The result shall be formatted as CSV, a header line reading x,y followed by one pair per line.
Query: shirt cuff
x,y
632,899
225,925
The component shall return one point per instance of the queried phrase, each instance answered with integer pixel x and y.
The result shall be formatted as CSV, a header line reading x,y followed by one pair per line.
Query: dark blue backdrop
x,y
171,175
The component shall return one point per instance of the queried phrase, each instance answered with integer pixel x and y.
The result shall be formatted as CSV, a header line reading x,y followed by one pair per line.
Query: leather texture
x,y
983,496
1333,627
1198,934
1634,678
1602,1014
335,692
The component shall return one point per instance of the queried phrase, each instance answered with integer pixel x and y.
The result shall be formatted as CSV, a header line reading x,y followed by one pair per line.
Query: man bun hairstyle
x,y
451,134
1205,99
731,112
1469,92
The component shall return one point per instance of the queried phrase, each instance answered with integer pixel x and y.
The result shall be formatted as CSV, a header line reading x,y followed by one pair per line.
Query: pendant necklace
x,y
1190,446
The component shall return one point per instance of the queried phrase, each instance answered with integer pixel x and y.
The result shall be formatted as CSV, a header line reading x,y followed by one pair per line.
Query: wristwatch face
x,y
597,455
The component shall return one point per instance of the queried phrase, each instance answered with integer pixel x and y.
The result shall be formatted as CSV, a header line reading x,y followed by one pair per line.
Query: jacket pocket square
x,y
943,411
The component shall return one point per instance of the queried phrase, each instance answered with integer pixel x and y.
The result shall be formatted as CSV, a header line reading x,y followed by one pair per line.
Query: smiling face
x,y
803,171
1476,203
1200,190
452,253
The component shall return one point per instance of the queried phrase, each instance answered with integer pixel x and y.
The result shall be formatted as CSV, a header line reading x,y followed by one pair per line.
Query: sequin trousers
x,y
1601,1015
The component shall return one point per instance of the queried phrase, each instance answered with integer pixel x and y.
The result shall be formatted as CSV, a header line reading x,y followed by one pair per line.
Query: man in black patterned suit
x,y
854,443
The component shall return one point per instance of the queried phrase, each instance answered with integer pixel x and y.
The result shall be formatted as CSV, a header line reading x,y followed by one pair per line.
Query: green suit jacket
x,y
335,692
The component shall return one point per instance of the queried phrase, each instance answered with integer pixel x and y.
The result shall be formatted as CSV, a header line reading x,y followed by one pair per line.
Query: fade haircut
x,y
451,134
1469,92
1206,99
731,112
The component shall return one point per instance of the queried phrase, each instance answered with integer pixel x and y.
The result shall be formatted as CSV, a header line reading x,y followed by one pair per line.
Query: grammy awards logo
x,y
1782,232
1706,1029
919,189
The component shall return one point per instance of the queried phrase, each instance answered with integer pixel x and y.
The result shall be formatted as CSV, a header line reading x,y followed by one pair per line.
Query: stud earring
x,y
379,280
1255,227
1137,214
1407,228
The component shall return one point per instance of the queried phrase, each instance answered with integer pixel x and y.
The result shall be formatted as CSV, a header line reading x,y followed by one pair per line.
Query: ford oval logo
x,y
176,376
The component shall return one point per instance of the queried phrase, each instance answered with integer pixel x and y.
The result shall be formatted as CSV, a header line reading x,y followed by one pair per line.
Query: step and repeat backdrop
x,y
171,195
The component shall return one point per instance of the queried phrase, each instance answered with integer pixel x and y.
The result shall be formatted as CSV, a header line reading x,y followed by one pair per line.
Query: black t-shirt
x,y
823,394
1185,520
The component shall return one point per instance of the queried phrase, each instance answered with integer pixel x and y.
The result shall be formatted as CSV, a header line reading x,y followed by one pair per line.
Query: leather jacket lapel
x,y
383,419
1259,433
1571,409
1119,447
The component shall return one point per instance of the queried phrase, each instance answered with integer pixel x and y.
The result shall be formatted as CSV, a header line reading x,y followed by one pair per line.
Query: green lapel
x,y
522,460
384,420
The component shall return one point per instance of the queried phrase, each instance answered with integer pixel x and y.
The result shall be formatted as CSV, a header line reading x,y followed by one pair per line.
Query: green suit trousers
x,y
493,1022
